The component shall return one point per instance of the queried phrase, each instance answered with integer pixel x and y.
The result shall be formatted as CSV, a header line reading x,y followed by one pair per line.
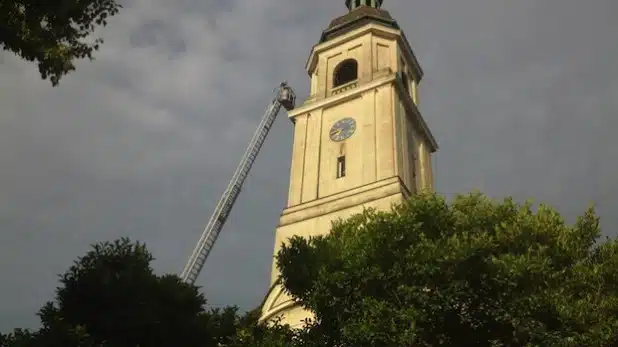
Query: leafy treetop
x,y
53,33
111,297
473,272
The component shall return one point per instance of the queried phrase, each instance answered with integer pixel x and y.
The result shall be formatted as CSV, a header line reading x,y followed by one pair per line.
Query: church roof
x,y
355,19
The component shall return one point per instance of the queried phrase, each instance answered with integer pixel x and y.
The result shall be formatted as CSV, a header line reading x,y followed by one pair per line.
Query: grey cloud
x,y
141,142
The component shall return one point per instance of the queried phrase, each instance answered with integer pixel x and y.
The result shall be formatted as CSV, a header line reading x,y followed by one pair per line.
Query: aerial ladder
x,y
285,97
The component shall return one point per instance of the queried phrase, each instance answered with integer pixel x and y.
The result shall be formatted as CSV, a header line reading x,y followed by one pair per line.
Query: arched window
x,y
346,71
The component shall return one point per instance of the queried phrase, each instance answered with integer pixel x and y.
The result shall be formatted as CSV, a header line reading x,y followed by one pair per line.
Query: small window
x,y
341,166
346,71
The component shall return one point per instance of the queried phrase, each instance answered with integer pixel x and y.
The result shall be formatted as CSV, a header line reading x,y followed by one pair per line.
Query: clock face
x,y
342,129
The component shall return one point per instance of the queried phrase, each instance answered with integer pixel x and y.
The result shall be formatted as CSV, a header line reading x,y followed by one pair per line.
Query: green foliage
x,y
55,334
111,297
473,272
113,292
53,33
251,333
19,338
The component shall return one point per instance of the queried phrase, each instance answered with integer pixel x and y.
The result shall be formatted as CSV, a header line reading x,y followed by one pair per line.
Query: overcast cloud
x,y
521,95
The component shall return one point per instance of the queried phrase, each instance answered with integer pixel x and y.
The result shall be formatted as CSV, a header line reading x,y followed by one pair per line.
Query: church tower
x,y
359,138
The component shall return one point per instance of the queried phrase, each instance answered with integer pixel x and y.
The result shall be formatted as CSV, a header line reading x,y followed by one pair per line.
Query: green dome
x,y
352,4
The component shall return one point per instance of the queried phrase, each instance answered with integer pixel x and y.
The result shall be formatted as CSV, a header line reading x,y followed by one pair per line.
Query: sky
x,y
141,142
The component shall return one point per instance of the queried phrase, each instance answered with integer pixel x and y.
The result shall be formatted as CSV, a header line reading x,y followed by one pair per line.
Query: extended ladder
x,y
285,97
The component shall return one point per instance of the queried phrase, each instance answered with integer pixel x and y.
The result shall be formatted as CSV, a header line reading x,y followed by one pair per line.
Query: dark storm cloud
x,y
141,142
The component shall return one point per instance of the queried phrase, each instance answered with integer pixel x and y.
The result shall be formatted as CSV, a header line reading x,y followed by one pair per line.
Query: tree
x,y
113,292
472,272
19,338
251,333
111,297
53,33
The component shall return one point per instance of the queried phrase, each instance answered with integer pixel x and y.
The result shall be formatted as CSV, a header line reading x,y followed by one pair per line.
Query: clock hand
x,y
336,132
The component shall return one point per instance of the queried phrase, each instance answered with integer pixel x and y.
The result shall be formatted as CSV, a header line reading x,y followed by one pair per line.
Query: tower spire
x,y
353,4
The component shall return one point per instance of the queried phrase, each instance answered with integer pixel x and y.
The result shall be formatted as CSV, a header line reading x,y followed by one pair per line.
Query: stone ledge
x,y
343,200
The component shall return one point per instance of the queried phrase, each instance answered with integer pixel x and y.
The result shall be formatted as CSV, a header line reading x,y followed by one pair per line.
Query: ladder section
x,y
286,98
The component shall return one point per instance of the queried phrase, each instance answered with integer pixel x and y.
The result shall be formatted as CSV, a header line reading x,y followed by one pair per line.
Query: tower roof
x,y
357,17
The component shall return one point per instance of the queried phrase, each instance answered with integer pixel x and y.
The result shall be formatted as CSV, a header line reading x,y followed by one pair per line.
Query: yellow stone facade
x,y
387,158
